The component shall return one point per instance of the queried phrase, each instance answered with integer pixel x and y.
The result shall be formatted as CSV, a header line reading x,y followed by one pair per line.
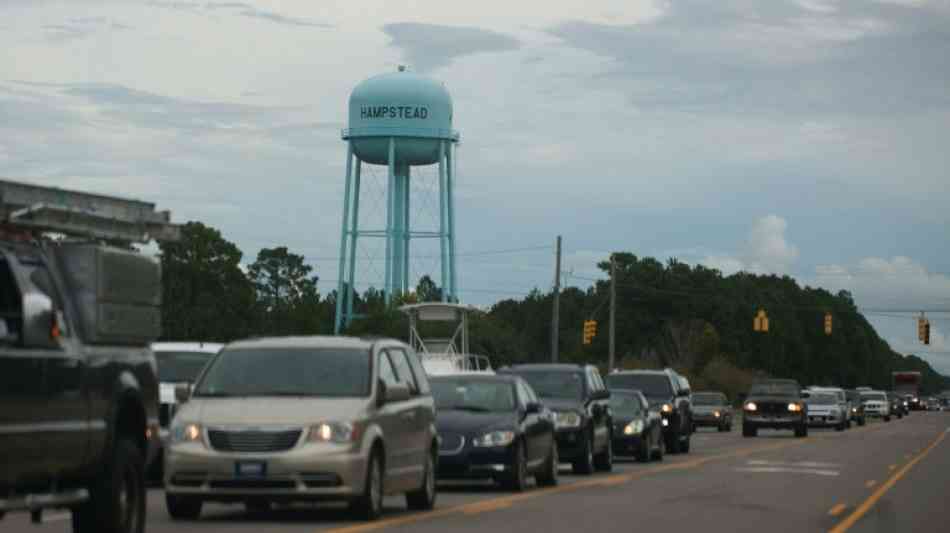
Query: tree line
x,y
671,314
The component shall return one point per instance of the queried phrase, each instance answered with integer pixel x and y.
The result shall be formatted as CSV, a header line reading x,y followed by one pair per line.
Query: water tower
x,y
400,120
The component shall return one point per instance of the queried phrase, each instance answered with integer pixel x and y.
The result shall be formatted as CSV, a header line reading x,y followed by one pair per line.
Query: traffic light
x,y
761,322
828,320
590,330
926,332
921,327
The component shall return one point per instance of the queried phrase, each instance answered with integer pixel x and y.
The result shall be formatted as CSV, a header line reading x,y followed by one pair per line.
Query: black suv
x,y
775,404
580,402
669,393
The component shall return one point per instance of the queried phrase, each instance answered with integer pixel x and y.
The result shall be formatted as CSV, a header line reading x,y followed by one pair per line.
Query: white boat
x,y
442,356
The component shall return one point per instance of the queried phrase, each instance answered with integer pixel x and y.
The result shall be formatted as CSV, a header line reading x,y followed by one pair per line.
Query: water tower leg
x,y
399,273
339,322
406,229
450,193
443,225
354,230
388,285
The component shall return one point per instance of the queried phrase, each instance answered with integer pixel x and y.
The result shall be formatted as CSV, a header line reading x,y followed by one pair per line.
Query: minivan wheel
x,y
117,500
424,498
748,430
673,442
369,505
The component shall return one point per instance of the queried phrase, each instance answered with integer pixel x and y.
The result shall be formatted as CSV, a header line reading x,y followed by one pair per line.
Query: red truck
x,y
907,385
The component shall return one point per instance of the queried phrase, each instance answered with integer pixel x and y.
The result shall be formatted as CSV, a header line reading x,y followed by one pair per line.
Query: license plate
x,y
250,469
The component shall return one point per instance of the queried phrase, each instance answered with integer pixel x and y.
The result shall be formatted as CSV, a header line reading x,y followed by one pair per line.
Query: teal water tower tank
x,y
399,119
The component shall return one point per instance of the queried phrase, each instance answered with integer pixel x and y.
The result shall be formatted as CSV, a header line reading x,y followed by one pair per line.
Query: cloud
x,y
767,250
79,28
775,57
431,46
895,284
243,9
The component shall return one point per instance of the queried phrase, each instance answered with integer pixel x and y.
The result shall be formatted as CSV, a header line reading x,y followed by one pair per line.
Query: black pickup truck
x,y
78,380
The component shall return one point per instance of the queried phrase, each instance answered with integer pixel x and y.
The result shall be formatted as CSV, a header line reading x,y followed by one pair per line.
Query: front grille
x,y
253,441
253,484
773,408
451,444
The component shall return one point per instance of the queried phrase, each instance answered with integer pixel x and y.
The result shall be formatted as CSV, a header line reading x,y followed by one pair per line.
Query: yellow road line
x,y
870,484
863,509
837,509
486,507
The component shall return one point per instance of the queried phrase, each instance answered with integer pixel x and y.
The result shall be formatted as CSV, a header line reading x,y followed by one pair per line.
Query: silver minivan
x,y
304,418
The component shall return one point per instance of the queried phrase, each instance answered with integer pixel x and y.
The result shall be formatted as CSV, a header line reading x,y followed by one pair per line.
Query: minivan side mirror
x,y
683,392
398,392
533,408
182,393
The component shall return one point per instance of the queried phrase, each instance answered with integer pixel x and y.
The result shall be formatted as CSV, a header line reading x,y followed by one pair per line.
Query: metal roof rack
x,y
78,214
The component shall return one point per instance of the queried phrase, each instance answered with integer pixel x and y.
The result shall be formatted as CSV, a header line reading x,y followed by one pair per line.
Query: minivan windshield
x,y
651,385
555,384
180,366
332,372
478,395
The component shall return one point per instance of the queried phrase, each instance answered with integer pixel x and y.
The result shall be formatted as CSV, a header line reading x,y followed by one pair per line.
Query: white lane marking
x,y
784,470
802,464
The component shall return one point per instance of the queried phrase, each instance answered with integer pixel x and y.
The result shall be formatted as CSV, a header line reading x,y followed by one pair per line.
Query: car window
x,y
598,380
386,372
403,369
523,397
421,379
532,396
651,385
591,384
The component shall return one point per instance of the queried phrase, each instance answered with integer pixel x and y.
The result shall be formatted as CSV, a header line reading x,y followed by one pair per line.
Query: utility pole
x,y
557,303
613,313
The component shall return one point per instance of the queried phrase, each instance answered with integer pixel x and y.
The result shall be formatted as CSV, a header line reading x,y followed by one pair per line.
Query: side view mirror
x,y
805,394
182,393
533,408
40,321
683,393
393,393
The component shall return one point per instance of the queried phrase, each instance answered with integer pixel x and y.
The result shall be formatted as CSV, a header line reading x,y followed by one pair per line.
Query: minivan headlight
x,y
794,407
750,406
567,419
494,439
186,433
338,432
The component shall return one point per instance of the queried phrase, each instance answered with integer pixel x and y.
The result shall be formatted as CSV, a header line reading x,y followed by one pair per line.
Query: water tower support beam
x,y
354,231
390,212
407,235
443,230
450,193
343,234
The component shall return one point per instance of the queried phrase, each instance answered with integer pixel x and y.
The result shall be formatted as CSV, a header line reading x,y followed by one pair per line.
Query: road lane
x,y
728,483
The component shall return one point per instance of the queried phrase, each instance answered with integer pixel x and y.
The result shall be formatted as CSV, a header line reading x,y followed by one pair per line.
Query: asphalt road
x,y
884,477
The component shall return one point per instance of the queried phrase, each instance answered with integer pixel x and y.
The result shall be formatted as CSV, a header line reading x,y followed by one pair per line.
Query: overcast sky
x,y
807,138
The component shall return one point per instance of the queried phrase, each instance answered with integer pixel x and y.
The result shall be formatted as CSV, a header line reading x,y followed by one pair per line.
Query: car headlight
x,y
750,406
717,414
794,407
338,432
494,439
667,408
854,409
634,428
567,419
186,433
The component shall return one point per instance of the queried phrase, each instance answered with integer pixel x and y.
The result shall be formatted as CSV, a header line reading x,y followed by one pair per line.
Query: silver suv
x,y
305,418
